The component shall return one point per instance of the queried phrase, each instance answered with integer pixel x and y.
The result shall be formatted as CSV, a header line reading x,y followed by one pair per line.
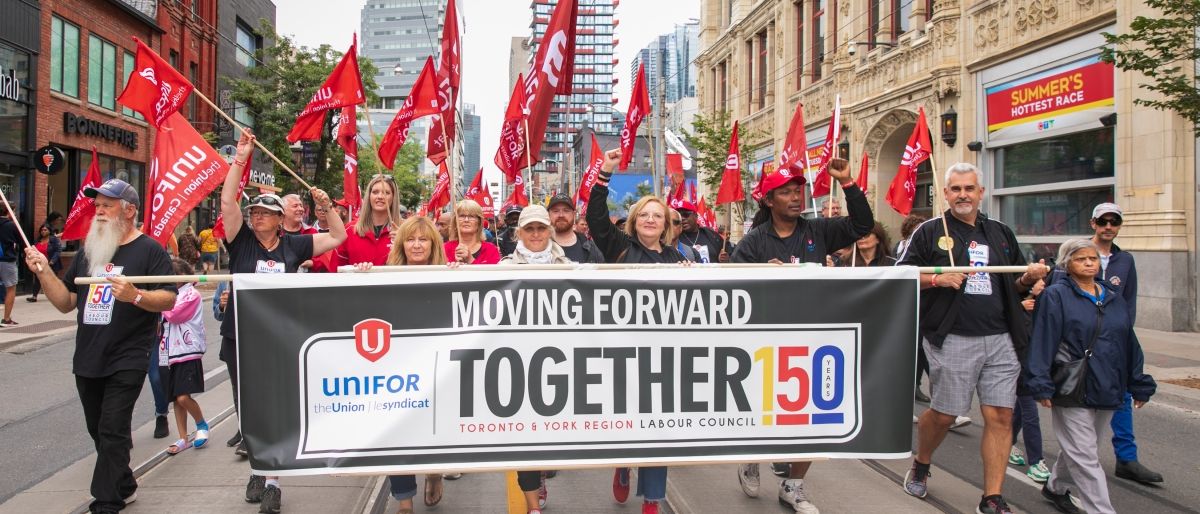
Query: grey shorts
x,y
964,365
8,273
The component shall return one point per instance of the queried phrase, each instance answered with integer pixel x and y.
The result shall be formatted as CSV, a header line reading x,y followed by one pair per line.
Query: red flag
x,y
342,88
448,65
479,192
904,187
79,219
155,89
552,71
704,215
589,177
439,139
821,183
185,169
796,144
675,166
448,80
441,192
422,101
345,132
639,107
518,194
219,226
731,181
512,134
862,173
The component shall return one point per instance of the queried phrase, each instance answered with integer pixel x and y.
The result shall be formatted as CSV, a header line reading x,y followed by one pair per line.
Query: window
x,y
128,66
750,60
818,38
195,8
174,57
876,8
1079,156
723,86
64,57
763,53
248,45
191,106
799,45
901,12
102,73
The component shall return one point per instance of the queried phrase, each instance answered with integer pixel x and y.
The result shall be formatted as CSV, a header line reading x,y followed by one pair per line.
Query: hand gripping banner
x,y
512,367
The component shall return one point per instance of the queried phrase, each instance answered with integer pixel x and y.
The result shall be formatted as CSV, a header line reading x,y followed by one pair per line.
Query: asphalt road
x,y
41,423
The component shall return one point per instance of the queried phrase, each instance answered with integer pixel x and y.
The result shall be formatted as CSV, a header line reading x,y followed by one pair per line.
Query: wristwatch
x,y
137,299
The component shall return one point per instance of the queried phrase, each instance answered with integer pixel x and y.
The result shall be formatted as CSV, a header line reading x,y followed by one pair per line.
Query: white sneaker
x,y
915,419
959,422
748,477
791,493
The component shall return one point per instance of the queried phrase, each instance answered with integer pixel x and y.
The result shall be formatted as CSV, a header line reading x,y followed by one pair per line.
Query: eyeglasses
x,y
261,213
1111,222
384,176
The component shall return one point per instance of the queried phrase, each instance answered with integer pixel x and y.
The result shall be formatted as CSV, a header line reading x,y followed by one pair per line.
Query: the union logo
x,y
108,267
372,338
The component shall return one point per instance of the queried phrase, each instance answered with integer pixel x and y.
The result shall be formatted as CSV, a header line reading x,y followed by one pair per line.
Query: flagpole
x,y
945,226
371,127
256,141
450,153
528,154
13,217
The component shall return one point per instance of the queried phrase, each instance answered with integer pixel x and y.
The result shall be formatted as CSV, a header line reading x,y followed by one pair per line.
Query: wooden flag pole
x,y
945,240
449,155
12,216
528,157
370,128
256,141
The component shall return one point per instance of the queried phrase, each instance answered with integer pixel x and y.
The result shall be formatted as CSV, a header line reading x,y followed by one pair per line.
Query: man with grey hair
x,y
118,324
972,329
293,215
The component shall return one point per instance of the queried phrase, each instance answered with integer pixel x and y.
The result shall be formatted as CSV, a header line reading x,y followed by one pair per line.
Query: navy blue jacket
x,y
1066,315
1121,274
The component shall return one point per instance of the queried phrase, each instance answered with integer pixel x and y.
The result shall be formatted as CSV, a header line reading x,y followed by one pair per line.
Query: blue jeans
x,y
652,483
403,486
1025,418
1123,442
160,396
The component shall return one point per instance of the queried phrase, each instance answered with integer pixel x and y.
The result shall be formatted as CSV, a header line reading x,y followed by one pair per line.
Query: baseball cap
x,y
775,180
534,214
267,201
1107,208
680,204
563,199
115,188
511,209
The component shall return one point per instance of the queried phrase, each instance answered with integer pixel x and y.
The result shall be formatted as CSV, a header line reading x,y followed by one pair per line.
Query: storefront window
x,y
113,167
14,114
1078,156
129,65
1058,213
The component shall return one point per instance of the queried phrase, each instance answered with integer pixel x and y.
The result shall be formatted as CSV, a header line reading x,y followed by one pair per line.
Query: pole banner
x,y
421,372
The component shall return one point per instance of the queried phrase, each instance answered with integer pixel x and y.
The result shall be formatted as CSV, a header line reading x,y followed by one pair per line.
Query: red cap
x,y
342,202
680,204
775,180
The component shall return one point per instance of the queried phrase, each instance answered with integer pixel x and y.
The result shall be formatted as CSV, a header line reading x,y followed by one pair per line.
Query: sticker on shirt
x,y
978,283
269,267
702,251
98,306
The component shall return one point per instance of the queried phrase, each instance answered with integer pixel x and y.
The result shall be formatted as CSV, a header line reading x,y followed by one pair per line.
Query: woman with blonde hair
x,y
379,216
466,244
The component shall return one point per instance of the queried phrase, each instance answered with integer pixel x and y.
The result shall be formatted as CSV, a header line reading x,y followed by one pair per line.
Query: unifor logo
x,y
372,338
108,267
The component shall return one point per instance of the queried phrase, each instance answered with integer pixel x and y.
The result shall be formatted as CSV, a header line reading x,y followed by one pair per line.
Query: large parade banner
x,y
431,371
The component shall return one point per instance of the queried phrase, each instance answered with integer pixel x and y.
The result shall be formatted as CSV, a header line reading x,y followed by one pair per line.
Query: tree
x,y
280,85
710,136
1165,50
414,190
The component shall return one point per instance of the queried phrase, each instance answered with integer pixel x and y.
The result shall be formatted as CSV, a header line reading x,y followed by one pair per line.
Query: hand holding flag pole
x,y
260,146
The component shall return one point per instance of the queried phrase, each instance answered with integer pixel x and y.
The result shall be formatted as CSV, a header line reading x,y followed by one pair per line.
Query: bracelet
x,y
933,280
240,163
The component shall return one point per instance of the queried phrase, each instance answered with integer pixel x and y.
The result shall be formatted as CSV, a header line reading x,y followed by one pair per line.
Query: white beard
x,y
102,242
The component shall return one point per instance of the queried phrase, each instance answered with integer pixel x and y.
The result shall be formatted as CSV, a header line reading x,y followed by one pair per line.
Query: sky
x,y
489,26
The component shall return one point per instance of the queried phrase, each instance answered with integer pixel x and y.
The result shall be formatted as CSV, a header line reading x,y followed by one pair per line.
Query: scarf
x,y
542,257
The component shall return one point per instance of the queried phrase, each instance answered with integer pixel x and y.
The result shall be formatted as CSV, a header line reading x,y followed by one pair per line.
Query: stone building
x,y
1013,86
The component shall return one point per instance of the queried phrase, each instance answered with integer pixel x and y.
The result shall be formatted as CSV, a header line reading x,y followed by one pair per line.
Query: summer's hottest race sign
x,y
511,368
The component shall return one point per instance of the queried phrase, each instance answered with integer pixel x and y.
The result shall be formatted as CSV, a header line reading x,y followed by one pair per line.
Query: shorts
x,y
208,257
985,365
182,378
8,273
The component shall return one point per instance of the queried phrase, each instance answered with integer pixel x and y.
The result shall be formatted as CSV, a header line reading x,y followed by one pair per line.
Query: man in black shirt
x,y
709,246
506,240
117,330
972,329
577,246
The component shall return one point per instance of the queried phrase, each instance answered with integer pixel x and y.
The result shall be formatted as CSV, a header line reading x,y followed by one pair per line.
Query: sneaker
x,y
254,488
130,499
791,493
649,507
959,422
161,429
1039,472
8,323
1063,502
994,504
233,441
452,476
748,477
916,481
621,485
240,451
921,397
542,493
272,501
1015,456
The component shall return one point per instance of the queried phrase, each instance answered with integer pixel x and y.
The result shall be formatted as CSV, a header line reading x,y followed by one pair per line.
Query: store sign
x,y
10,85
262,178
74,124
49,159
1078,86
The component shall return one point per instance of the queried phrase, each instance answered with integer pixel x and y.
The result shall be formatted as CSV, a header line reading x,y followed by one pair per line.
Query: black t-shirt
x,y
112,335
576,252
706,243
246,255
981,311
8,240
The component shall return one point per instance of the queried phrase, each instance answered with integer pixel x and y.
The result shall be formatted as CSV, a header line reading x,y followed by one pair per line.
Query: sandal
x,y
201,436
433,490
179,447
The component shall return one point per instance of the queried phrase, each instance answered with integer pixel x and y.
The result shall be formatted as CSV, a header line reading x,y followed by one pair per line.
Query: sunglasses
x,y
1111,222
676,222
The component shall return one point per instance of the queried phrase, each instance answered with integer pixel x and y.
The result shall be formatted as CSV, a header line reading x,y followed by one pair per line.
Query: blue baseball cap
x,y
115,188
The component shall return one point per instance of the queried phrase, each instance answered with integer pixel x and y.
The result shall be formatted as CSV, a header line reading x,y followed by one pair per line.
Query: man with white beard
x,y
116,333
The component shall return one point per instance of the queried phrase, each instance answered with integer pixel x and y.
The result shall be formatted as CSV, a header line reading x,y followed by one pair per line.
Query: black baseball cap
x,y
115,188
512,209
563,199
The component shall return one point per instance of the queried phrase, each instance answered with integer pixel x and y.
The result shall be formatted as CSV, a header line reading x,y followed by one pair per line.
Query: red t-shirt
x,y
487,254
366,248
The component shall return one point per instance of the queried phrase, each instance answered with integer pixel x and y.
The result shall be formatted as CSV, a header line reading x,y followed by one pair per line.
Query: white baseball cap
x,y
1107,208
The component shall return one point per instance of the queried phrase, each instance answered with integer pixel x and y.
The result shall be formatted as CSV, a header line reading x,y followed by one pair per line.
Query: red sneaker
x,y
621,485
649,507
542,493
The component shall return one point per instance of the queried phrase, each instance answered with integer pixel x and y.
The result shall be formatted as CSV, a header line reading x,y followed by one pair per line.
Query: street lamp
x,y
398,70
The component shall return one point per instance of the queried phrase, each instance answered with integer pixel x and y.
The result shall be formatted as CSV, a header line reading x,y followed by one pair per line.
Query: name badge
x,y
269,267
99,303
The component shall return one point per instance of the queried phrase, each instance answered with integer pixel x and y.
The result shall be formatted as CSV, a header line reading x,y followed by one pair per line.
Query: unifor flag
x,y
478,191
903,190
343,87
422,101
705,216
550,74
441,192
731,181
639,107
183,171
218,229
795,145
154,88
79,219
512,133
861,180
345,132
443,130
517,197
595,162
821,184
